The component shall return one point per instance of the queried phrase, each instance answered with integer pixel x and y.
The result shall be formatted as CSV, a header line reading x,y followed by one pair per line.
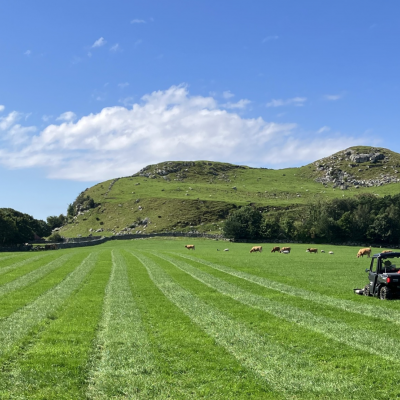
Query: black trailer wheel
x,y
366,290
385,293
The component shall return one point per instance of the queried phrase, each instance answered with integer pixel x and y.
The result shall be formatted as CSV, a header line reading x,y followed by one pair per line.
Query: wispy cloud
x,y
99,42
28,53
68,116
138,42
46,118
127,101
123,85
241,104
323,129
269,38
138,21
1,108
227,94
296,101
116,47
76,60
333,97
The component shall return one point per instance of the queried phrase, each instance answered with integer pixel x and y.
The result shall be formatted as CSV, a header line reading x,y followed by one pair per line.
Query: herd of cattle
x,y
286,250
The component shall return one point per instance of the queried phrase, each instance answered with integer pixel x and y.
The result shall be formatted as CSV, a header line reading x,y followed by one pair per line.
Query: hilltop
x,y
198,195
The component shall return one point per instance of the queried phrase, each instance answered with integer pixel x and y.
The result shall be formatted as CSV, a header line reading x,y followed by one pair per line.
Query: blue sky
x,y
93,90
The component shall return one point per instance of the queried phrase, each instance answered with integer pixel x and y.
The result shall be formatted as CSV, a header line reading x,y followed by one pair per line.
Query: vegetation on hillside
x,y
16,227
199,195
364,218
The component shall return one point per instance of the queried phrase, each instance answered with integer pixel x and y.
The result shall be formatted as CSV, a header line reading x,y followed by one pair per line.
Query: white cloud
x,y
323,129
138,21
227,94
297,101
99,42
28,53
46,118
1,108
68,116
164,125
240,104
269,38
332,97
127,101
116,47
123,85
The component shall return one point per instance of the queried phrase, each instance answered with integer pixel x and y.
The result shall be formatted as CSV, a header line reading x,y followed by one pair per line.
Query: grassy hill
x,y
198,195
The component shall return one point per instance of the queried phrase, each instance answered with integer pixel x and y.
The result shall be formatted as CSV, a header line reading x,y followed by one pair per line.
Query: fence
x,y
95,240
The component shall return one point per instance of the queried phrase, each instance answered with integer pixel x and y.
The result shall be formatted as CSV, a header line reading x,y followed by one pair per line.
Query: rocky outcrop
x,y
331,169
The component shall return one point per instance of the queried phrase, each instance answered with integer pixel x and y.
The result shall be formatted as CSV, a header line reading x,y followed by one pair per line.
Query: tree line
x,y
364,218
17,227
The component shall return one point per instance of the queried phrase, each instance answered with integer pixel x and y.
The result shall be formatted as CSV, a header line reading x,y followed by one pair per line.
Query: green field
x,y
148,319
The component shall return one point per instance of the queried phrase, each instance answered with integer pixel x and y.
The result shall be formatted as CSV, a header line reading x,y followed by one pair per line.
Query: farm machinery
x,y
383,276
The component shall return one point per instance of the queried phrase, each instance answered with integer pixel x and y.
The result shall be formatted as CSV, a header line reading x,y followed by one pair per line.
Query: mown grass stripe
x,y
338,331
51,360
18,264
2,258
125,366
346,305
284,371
191,365
13,328
34,275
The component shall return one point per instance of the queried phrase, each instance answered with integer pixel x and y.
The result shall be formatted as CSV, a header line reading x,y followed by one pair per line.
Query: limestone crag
x,y
332,170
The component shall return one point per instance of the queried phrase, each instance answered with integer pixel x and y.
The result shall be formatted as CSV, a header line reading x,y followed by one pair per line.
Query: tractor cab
x,y
384,276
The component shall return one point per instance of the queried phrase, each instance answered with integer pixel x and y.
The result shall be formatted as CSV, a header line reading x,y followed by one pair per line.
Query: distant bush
x,y
55,237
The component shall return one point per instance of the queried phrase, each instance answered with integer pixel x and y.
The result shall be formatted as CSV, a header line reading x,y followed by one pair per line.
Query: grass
x,y
202,197
147,319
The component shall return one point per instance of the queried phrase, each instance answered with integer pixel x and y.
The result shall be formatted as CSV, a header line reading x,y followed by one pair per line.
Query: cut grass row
x,y
138,320
122,365
331,328
284,371
346,305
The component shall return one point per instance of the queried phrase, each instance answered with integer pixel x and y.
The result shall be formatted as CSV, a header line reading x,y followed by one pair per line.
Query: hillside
x,y
198,195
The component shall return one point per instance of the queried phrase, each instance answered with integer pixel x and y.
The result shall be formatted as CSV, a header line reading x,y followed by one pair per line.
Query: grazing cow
x,y
364,252
255,249
226,249
322,251
274,249
285,249
387,251
190,246
331,252
312,250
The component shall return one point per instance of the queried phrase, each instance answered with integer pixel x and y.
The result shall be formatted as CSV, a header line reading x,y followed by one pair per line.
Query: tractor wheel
x,y
366,290
385,293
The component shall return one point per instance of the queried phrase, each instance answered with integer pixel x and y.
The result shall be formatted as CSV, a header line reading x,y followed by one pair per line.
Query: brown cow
x,y
364,252
276,248
387,251
190,246
256,248
312,250
285,249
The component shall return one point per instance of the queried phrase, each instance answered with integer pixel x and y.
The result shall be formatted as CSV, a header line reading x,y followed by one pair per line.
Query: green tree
x,y
243,224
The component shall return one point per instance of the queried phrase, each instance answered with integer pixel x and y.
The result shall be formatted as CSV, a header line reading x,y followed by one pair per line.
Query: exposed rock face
x,y
333,174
